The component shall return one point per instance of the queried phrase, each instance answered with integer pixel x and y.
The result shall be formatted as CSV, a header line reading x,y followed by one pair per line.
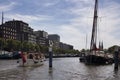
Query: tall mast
x,y
94,29
86,42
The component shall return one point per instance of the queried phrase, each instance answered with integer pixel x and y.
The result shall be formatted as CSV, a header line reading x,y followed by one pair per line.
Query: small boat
x,y
31,60
5,55
30,63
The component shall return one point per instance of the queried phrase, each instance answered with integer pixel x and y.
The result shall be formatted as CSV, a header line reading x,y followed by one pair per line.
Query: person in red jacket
x,y
23,56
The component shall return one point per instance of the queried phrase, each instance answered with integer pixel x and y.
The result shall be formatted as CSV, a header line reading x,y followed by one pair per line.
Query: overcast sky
x,y
71,19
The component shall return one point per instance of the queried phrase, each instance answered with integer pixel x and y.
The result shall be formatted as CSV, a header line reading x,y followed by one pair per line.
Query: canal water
x,y
63,69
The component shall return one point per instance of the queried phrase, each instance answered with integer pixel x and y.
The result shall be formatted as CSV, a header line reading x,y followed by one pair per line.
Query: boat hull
x,y
30,63
93,59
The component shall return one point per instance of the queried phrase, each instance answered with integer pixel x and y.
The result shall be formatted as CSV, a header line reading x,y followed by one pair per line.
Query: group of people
x,y
36,57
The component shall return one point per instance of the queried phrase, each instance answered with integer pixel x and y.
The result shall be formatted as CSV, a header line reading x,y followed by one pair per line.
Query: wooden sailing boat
x,y
93,57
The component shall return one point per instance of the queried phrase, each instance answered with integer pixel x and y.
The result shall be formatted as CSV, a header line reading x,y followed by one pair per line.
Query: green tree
x,y
37,48
25,46
44,49
112,49
32,47
2,44
11,45
17,45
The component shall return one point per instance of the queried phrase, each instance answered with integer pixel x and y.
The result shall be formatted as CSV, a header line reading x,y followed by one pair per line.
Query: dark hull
x,y
99,60
5,56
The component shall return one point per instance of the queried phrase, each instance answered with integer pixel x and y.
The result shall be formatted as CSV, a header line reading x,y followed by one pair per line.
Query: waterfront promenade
x,y
63,69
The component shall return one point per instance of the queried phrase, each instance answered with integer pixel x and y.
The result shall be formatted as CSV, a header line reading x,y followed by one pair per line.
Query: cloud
x,y
72,35
49,4
79,26
80,3
7,7
29,18
45,3
76,1
73,20
109,24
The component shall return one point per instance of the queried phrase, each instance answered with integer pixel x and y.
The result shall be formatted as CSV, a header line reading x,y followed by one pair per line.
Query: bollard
x,y
50,57
116,60
50,53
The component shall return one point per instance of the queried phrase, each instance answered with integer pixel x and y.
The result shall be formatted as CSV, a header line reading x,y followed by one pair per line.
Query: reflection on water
x,y
51,74
63,69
